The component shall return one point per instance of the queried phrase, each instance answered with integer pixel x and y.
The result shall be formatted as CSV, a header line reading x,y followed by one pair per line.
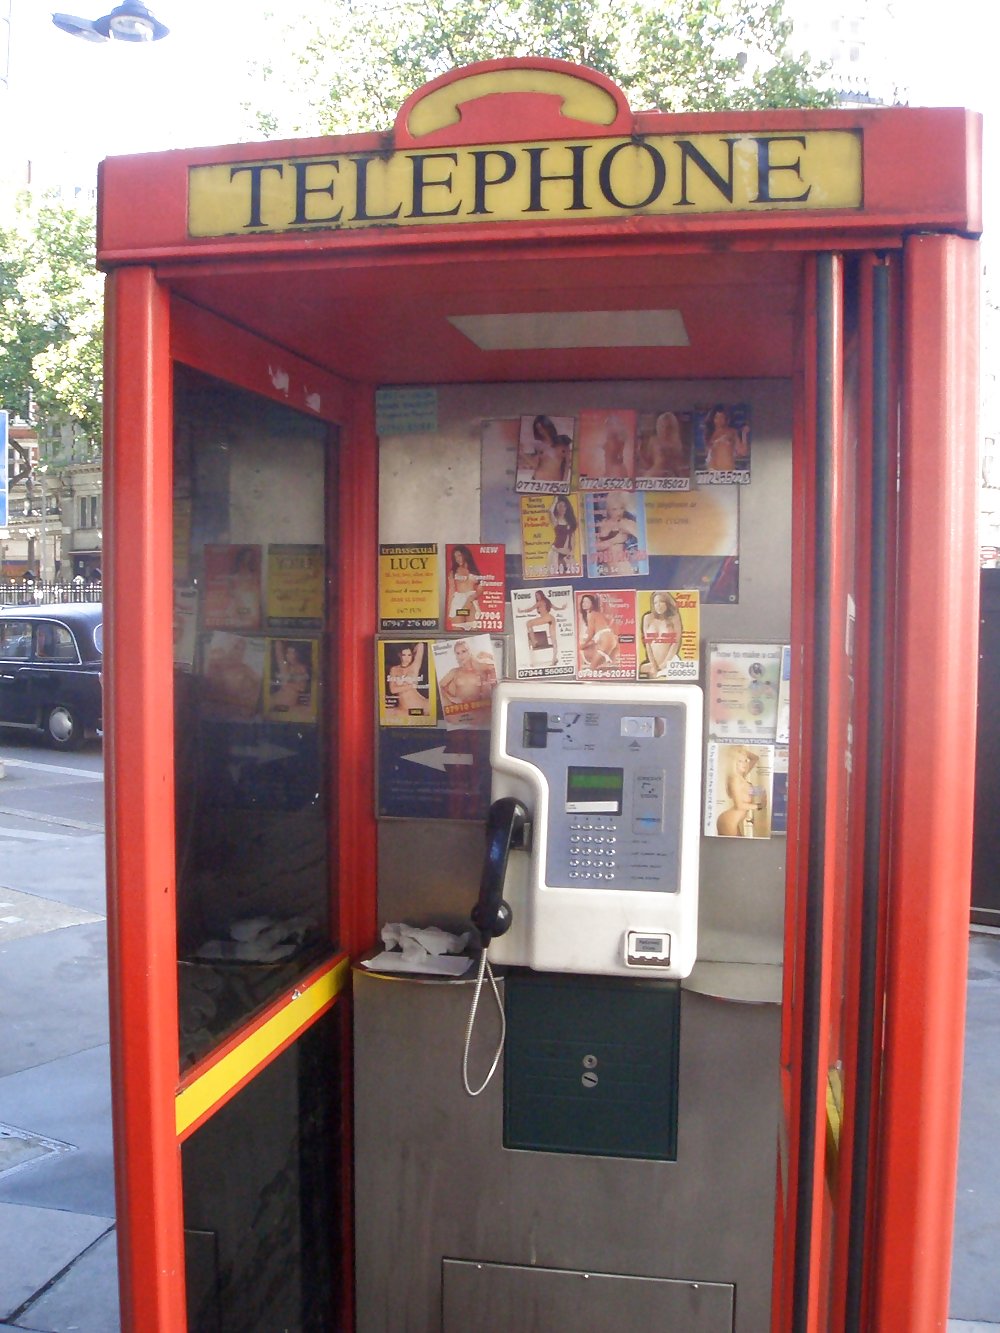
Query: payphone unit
x,y
592,843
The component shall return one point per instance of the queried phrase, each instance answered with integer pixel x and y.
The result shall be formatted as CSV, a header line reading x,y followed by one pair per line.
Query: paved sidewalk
x,y
975,1273
58,1269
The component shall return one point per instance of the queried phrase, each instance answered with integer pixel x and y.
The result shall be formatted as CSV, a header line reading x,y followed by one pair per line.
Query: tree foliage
x,y
51,317
353,66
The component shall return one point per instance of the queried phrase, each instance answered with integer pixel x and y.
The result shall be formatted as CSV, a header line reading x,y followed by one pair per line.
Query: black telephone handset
x,y
505,828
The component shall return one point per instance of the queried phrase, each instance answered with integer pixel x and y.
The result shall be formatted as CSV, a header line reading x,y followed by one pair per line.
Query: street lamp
x,y
130,21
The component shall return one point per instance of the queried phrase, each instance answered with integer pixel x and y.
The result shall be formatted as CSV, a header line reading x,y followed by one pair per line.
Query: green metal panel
x,y
591,1065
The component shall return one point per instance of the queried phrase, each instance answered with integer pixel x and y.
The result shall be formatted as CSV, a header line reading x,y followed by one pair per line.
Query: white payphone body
x,y
592,847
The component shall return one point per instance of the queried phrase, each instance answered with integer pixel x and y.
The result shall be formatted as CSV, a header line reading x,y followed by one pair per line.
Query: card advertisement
x,y
407,690
550,536
408,586
616,535
185,627
781,732
668,621
743,683
467,671
475,587
292,692
544,633
605,635
544,455
738,790
606,449
233,674
295,587
779,794
664,458
182,536
232,587
722,445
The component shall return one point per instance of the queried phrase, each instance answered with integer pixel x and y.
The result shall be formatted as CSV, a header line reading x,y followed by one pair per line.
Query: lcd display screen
x,y
594,791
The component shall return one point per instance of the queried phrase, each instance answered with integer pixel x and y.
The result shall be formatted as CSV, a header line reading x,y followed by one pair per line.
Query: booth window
x,y
252,682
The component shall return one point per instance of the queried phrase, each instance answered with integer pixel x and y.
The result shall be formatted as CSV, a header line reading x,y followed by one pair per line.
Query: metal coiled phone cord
x,y
484,970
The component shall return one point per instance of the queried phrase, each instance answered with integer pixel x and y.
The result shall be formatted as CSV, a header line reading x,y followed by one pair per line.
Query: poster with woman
x,y
538,535
664,457
605,635
668,633
231,598
544,638
606,449
467,673
233,673
544,455
616,535
292,684
563,556
722,445
475,587
406,685
738,791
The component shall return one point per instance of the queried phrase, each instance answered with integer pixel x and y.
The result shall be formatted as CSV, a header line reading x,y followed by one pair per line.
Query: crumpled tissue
x,y
421,949
259,939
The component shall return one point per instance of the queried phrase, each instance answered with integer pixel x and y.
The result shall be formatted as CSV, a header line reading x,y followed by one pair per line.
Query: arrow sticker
x,y
437,758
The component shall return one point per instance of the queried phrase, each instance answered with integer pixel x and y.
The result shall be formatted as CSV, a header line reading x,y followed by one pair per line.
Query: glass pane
x,y
15,639
55,643
251,682
262,1208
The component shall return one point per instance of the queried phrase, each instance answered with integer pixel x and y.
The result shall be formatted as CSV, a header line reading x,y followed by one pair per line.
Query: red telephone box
x,y
324,350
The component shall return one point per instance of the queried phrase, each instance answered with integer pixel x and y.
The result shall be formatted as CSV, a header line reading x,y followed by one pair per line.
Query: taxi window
x,y
54,643
99,639
15,638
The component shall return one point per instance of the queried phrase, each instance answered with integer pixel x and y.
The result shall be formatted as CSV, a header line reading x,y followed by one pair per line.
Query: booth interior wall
x,y
431,487
435,1177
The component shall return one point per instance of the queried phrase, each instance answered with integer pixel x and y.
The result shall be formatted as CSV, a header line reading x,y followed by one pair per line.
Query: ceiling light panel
x,y
573,328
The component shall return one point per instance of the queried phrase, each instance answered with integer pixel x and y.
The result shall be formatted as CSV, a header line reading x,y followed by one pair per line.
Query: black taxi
x,y
50,670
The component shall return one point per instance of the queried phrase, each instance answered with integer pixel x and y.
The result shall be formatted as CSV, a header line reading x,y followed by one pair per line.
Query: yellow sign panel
x,y
655,176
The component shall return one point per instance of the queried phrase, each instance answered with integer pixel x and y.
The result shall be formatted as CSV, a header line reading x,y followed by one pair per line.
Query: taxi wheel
x,y
64,728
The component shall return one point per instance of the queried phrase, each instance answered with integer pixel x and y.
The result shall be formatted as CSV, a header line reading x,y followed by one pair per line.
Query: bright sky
x,y
86,100
91,99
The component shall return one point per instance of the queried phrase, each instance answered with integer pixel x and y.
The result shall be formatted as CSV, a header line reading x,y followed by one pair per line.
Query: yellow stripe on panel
x,y
214,1087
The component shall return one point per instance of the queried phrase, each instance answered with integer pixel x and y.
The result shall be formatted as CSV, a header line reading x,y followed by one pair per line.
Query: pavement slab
x,y
975,1282
67,1101
61,865
55,996
38,1244
25,914
18,1147
83,1300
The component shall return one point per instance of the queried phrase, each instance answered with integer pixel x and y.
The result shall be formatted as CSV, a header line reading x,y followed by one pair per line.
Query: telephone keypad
x,y
592,849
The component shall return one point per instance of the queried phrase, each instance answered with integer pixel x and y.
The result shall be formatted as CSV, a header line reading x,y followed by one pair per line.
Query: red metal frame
x,y
799,763
850,930
145,210
831,771
146,331
931,729
142,953
932,803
